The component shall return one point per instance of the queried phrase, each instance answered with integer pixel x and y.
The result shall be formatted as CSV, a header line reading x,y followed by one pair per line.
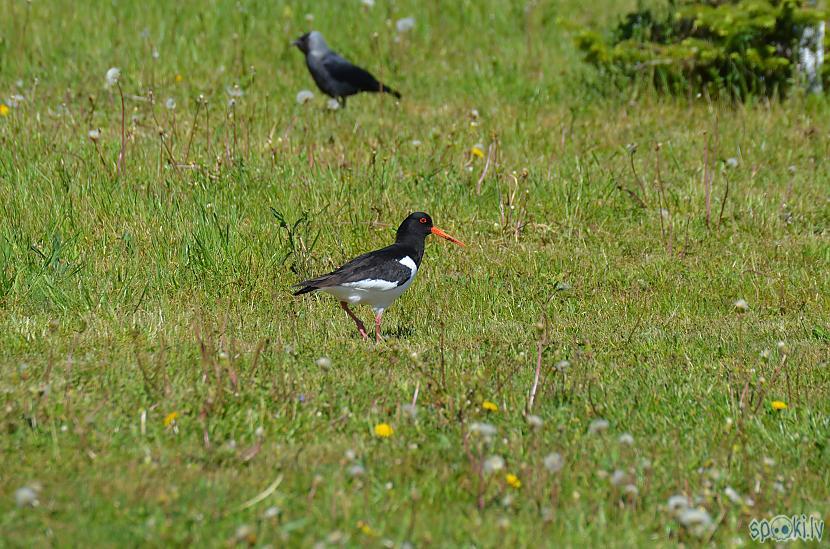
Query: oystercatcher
x,y
378,278
335,76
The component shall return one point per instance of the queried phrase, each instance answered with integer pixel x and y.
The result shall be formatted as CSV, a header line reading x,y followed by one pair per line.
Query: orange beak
x,y
438,232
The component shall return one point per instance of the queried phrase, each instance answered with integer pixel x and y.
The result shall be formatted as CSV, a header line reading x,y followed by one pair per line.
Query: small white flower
x,y
94,135
323,362
535,421
113,75
309,17
26,496
405,24
155,53
733,495
677,503
304,96
170,103
260,432
483,429
732,162
333,104
493,464
741,306
626,438
618,478
598,426
350,455
554,462
416,143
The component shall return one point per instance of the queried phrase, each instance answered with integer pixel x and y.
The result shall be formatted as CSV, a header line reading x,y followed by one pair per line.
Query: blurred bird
x,y
335,76
378,278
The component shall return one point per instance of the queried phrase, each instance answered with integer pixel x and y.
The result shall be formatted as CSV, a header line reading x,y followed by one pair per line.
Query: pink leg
x,y
377,326
360,327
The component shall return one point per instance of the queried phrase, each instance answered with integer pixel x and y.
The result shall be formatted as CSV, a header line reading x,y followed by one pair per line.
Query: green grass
x,y
168,289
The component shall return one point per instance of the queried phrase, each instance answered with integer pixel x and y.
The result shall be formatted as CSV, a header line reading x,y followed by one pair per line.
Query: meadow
x,y
664,262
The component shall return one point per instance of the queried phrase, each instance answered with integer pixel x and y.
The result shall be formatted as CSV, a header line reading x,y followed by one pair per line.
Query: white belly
x,y
378,294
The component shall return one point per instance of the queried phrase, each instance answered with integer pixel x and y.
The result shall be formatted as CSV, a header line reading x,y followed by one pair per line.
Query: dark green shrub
x,y
740,47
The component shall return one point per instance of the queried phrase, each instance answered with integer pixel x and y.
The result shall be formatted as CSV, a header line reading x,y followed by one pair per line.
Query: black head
x,y
302,43
418,226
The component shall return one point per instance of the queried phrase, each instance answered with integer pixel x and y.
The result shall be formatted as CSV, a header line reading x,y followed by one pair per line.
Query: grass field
x,y
160,385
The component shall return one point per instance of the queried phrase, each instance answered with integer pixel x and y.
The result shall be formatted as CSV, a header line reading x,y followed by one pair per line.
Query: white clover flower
x,y
554,462
483,429
323,362
406,24
94,135
741,306
113,75
493,464
598,426
626,438
535,421
304,96
170,103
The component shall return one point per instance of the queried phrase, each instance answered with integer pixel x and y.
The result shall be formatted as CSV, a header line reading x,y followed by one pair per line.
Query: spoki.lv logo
x,y
787,528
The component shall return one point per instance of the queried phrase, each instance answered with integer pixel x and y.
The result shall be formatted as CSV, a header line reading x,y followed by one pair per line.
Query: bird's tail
x,y
386,89
305,289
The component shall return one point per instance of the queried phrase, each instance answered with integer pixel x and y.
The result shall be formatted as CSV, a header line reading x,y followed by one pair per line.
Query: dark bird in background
x,y
335,76
378,278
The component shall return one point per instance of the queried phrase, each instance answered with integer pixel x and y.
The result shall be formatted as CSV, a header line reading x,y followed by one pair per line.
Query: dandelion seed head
x,y
535,421
304,96
113,76
416,143
94,135
765,354
627,439
368,3
493,464
323,362
483,429
170,103
156,54
332,104
732,162
697,521
562,366
271,512
630,490
598,426
741,306
356,470
733,495
782,347
554,462
677,503
15,100
618,477
26,496
234,91
410,410
405,25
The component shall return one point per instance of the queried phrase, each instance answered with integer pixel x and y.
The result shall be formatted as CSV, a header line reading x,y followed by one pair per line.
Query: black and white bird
x,y
335,76
378,278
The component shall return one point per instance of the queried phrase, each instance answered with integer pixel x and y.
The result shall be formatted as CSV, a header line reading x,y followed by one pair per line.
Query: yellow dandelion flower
x,y
170,418
366,529
384,430
490,406
476,151
779,405
4,109
513,481
179,78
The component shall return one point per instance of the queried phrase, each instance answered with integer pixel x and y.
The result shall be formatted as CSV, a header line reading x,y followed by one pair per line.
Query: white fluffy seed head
x,y
113,76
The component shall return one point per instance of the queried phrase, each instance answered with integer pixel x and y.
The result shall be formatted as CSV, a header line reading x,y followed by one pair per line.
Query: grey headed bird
x,y
378,278
335,76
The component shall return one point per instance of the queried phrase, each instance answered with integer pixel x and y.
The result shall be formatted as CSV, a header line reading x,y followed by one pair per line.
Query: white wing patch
x,y
407,262
369,284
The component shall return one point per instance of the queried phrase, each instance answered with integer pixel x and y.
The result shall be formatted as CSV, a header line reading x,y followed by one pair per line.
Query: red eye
x,y
423,220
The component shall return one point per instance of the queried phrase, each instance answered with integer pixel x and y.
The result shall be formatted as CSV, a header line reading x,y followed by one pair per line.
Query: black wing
x,y
342,70
383,264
